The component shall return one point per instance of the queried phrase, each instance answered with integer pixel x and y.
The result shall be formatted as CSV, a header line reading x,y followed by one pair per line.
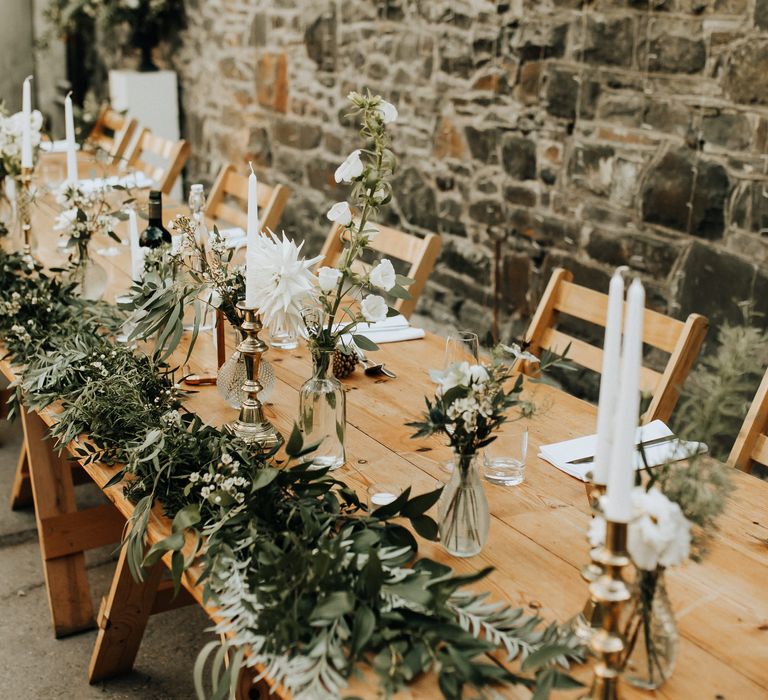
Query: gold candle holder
x,y
610,593
24,203
590,619
251,426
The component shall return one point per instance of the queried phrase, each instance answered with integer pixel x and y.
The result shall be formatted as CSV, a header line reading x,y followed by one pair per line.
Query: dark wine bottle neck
x,y
156,214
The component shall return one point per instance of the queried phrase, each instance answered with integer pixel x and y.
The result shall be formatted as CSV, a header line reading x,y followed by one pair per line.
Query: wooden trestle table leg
x,y
21,493
65,576
122,620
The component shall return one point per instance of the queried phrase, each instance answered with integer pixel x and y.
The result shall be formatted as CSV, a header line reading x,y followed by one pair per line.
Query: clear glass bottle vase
x,y
463,509
323,413
231,376
651,632
90,277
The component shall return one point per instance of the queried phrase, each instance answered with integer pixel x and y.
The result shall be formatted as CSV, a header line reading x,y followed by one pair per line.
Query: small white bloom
x,y
340,213
457,374
478,374
388,112
383,275
350,169
328,278
65,220
374,308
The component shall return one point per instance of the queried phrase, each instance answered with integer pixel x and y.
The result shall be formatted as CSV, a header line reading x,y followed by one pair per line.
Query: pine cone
x,y
343,364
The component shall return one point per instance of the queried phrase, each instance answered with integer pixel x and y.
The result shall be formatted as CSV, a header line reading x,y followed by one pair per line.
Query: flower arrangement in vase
x,y
673,517
349,294
84,216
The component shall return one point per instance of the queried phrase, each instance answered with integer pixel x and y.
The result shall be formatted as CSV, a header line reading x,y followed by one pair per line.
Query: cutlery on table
x,y
648,443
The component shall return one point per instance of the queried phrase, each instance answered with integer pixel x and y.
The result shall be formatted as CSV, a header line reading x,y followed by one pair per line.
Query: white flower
x,y
516,352
340,213
284,282
65,220
374,308
478,374
328,278
457,374
388,112
383,275
658,534
351,168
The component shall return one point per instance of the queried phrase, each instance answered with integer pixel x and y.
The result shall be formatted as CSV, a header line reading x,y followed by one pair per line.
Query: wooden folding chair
x,y
681,340
228,200
420,252
752,442
167,158
112,132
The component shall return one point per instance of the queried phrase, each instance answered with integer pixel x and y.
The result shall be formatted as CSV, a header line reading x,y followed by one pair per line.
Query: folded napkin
x,y
393,329
137,180
562,454
56,146
233,237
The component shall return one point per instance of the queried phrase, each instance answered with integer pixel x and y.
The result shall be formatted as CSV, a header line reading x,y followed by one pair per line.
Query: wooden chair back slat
x,y
174,153
420,252
122,128
751,443
682,340
232,185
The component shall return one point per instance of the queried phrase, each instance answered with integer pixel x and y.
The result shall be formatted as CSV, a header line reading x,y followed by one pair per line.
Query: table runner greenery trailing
x,y
303,576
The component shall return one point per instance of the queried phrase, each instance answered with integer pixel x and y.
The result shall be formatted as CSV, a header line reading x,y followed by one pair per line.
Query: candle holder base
x,y
251,426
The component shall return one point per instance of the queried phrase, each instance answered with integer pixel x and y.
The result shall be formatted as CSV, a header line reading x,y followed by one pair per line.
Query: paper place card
x,y
393,329
575,457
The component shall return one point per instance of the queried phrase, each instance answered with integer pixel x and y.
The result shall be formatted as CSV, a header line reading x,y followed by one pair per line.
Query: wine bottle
x,y
155,234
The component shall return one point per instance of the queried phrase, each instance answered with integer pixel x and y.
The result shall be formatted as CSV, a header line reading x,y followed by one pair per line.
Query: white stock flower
x,y
351,168
340,213
388,112
457,374
328,278
658,534
284,282
383,275
374,308
478,374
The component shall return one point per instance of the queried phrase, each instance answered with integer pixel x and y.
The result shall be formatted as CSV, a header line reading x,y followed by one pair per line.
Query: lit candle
x,y
252,240
69,127
26,127
137,253
621,478
609,379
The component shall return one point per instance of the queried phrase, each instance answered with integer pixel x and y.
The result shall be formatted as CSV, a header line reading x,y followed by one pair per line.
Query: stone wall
x,y
580,134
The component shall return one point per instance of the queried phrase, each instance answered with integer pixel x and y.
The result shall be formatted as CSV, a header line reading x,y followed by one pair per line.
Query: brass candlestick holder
x,y
24,203
251,425
590,619
610,593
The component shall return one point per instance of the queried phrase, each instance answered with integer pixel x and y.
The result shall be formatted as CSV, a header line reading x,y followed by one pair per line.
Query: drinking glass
x,y
382,494
461,346
504,458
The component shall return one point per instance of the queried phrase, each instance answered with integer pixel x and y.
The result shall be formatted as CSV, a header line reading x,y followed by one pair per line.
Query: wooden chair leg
x,y
122,620
66,579
21,493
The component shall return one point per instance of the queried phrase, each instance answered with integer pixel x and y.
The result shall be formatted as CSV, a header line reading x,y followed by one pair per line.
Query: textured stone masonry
x,y
582,134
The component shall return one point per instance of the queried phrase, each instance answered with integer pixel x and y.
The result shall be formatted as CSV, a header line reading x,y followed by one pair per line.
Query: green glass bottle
x,y
155,234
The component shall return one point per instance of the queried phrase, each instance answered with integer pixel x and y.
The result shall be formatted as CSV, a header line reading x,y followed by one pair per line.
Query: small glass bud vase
x,y
90,277
323,413
651,632
463,509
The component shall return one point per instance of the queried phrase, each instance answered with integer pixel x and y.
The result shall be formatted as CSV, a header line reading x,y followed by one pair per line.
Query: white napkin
x,y
233,237
59,146
138,180
562,454
393,329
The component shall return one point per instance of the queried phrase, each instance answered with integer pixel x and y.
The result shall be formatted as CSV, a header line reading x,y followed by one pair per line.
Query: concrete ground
x,y
33,664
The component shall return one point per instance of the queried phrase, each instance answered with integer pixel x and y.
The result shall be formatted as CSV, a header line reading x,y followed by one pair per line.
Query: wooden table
x,y
537,538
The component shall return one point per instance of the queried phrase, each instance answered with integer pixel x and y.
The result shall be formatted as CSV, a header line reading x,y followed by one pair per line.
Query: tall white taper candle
x,y
26,127
621,478
609,379
137,252
69,129
252,239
